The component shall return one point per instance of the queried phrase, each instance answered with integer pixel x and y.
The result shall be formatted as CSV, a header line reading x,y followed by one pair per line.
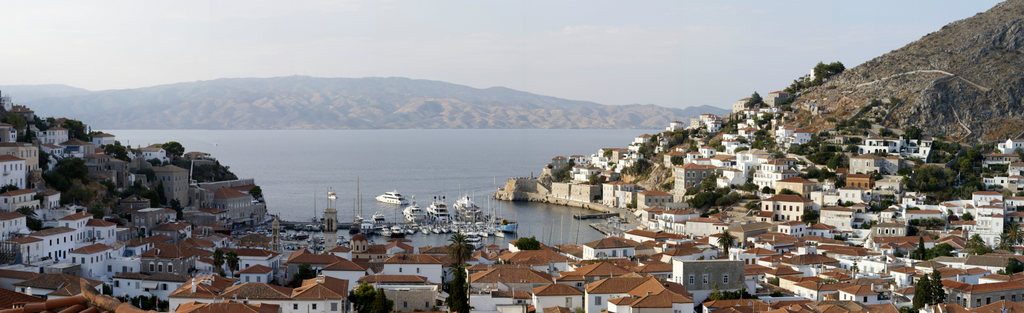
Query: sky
x,y
669,53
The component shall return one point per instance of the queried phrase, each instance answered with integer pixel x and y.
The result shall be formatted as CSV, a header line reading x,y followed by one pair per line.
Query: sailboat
x,y
357,220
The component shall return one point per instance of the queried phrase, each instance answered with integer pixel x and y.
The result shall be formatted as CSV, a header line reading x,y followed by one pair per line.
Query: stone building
x,y
175,183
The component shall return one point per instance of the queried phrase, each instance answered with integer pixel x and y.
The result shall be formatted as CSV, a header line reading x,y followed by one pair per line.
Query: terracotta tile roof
x,y
226,306
394,279
533,257
859,290
208,287
256,269
50,231
555,289
511,275
314,291
412,259
9,298
95,222
611,243
154,277
10,216
76,216
616,285
787,198
24,240
254,291
62,284
342,264
90,249
1009,285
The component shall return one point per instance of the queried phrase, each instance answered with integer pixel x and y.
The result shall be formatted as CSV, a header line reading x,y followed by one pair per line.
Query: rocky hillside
x,y
299,102
964,81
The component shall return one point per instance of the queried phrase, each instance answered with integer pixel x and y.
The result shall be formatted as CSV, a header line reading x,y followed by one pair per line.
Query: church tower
x,y
275,239
330,224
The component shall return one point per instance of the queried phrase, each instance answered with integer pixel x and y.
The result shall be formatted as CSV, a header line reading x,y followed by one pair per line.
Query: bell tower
x,y
275,239
330,223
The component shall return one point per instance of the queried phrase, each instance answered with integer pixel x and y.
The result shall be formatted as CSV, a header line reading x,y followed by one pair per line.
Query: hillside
x,y
299,102
964,81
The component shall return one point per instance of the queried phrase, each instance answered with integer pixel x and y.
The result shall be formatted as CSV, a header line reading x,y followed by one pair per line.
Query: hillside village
x,y
856,218
740,212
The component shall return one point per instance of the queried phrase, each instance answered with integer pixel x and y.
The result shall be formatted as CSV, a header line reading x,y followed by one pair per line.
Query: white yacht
x,y
466,210
414,213
392,197
378,218
438,212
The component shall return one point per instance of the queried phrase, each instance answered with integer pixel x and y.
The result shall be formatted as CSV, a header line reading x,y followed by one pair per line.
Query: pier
x,y
594,215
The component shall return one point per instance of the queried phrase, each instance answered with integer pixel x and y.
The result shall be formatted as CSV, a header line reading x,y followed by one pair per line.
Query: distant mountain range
x,y
300,102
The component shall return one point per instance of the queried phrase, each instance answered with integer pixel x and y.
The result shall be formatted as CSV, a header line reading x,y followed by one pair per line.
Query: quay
x,y
594,215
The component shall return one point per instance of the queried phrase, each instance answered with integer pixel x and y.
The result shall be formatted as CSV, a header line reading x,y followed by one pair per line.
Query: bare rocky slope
x,y
965,81
299,102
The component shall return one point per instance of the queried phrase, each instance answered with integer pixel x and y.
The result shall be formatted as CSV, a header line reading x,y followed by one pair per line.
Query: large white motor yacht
x,y
392,197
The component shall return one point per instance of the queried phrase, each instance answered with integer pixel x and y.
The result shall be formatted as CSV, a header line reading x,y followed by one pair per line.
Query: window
x,y
598,300
705,278
150,267
295,306
334,306
417,270
399,269
725,278
170,267
865,299
314,306
691,279
405,304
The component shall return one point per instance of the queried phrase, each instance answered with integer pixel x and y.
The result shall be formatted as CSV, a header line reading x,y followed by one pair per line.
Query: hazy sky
x,y
670,53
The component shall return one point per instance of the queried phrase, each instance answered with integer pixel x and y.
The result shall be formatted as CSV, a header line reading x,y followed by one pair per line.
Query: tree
x,y
459,249
975,245
256,192
173,148
920,253
527,243
458,289
31,221
76,129
922,293
1012,267
366,299
218,261
305,272
725,241
935,292
754,101
810,217
715,293
1014,234
912,132
117,151
967,216
7,188
232,259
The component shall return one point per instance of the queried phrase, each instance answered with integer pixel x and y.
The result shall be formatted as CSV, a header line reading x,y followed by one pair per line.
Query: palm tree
x,y
458,249
725,241
232,259
458,292
1014,233
218,261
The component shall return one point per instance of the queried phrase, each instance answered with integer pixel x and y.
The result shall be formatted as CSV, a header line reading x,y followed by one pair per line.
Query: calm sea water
x,y
296,168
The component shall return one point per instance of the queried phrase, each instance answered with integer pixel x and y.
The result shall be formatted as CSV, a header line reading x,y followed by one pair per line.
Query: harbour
x,y
294,191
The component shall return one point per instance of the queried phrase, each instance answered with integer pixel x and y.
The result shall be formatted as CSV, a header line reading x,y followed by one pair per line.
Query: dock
x,y
594,215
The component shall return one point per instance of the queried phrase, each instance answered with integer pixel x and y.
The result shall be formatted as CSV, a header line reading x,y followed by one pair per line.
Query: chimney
x,y
193,285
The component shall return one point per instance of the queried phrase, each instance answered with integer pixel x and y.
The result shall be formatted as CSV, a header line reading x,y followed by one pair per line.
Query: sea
x,y
297,168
